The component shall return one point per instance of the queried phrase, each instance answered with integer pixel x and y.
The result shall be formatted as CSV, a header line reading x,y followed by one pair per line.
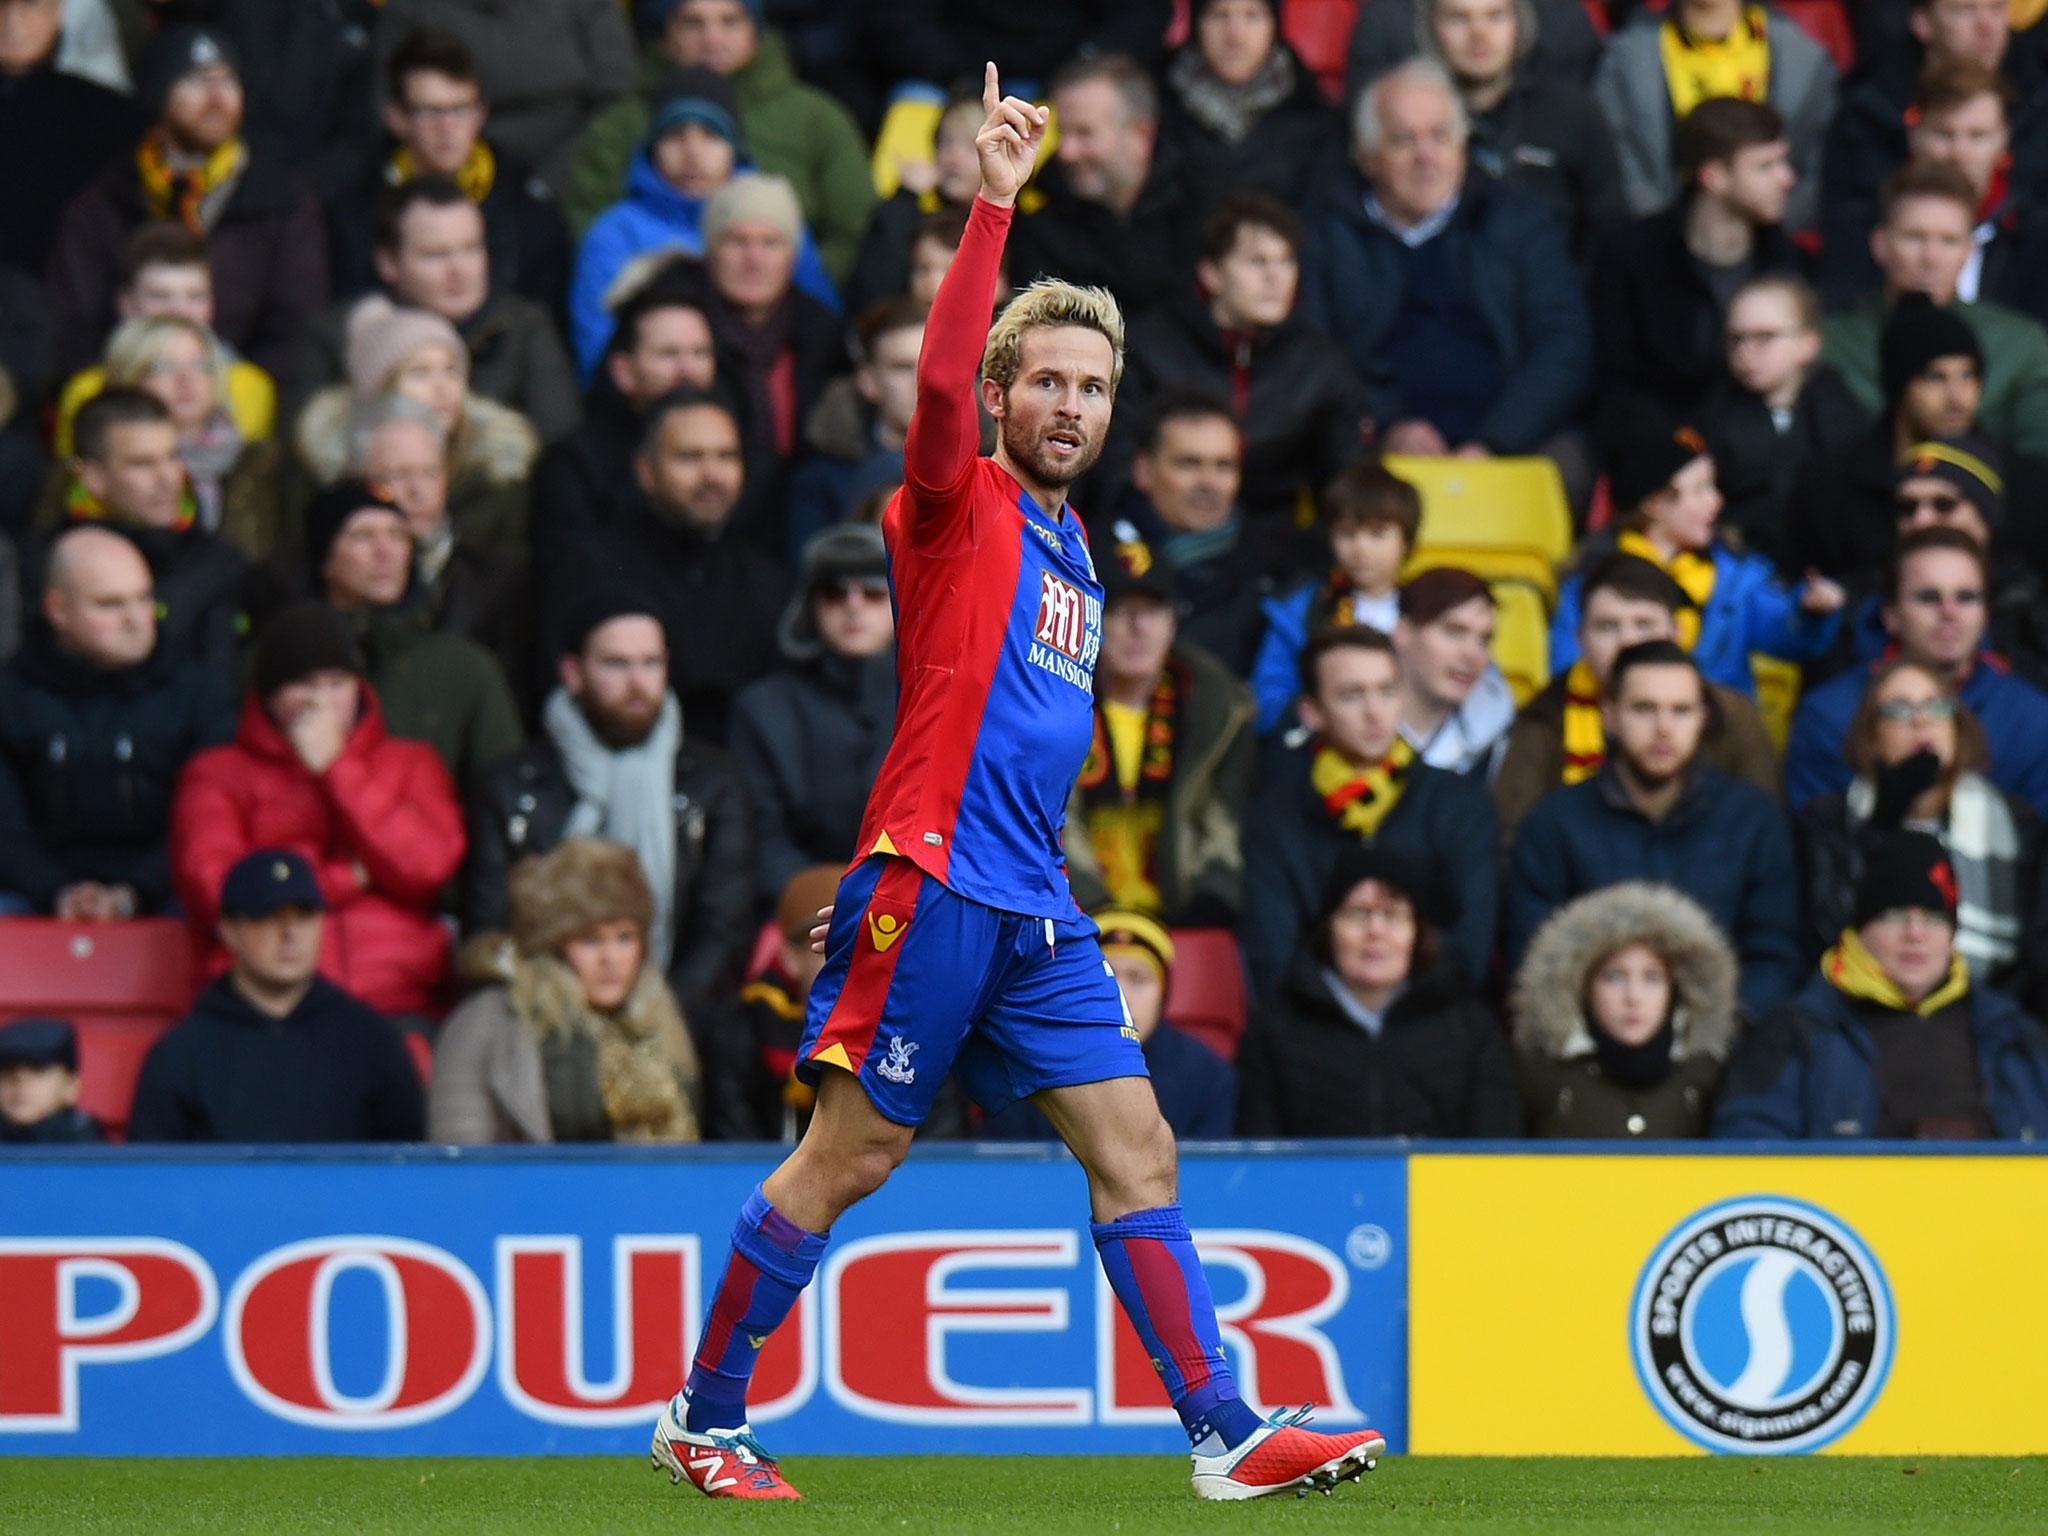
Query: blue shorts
x,y
918,980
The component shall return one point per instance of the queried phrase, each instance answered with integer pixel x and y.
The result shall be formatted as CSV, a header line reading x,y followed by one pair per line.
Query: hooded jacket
x,y
1439,1068
329,1071
1809,1070
381,827
1565,1091
89,758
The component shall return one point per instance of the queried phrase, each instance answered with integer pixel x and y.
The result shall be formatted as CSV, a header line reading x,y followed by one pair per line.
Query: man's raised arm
x,y
945,428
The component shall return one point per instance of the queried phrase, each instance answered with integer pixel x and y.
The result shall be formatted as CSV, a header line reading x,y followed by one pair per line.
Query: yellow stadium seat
x,y
910,133
1505,504
1777,695
1494,564
1521,637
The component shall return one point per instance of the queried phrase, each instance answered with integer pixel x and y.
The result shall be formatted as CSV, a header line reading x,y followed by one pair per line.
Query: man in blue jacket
x,y
1935,612
1456,299
1655,812
1891,1039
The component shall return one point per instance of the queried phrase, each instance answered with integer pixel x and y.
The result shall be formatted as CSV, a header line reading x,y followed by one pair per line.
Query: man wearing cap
x,y
614,760
434,687
716,591
313,769
791,128
1197,1089
96,722
810,737
262,224
39,1084
1891,1039
1654,811
1155,818
1933,606
272,1051
1455,705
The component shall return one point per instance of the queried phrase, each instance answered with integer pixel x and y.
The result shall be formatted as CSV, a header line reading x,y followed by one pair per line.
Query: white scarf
x,y
626,795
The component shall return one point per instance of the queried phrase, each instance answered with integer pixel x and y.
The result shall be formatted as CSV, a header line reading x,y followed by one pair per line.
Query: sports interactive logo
x,y
1762,1325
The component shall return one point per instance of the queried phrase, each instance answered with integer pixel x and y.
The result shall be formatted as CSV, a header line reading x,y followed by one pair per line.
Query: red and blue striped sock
x,y
1152,1266
771,1262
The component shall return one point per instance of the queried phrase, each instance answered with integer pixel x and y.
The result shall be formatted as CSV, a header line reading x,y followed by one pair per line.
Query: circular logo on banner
x,y
1762,1325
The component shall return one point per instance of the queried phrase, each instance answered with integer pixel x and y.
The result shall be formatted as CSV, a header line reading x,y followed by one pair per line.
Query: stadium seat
x,y
1519,565
766,942
1320,31
1505,518
121,984
1777,695
909,131
1206,996
1521,637
1827,23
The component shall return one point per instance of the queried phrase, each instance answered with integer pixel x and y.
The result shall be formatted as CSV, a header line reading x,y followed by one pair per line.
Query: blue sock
x,y
771,1261
1151,1263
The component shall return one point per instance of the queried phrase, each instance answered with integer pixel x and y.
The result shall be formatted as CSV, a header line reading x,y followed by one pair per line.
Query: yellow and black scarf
x,y
1698,69
1854,972
181,195
1585,733
1334,602
476,175
1360,798
1693,572
80,505
1124,803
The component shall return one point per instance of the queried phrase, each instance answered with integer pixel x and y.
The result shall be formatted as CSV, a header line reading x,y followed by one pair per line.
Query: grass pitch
x,y
1124,1495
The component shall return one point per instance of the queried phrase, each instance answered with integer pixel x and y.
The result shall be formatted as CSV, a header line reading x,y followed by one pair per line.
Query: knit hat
x,y
754,199
701,96
1901,870
1969,464
842,552
1645,453
382,335
601,604
299,641
177,53
1371,861
332,508
1916,334
39,1042
796,909
569,890
1125,929
1428,595
1133,566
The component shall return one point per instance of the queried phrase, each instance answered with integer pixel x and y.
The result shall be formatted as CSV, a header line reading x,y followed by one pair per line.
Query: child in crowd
x,y
1371,516
39,1083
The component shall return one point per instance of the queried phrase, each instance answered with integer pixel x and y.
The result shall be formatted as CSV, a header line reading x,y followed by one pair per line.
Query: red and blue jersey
x,y
998,624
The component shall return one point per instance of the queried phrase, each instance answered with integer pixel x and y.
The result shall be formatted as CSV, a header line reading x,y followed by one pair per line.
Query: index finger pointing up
x,y
991,93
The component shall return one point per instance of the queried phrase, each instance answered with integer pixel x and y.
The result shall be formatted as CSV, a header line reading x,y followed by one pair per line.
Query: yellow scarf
x,y
1854,972
476,176
1694,574
1697,69
180,195
2024,13
1585,735
1360,797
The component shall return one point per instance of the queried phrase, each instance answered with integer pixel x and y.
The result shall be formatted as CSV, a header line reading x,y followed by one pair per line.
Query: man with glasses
x,y
1935,611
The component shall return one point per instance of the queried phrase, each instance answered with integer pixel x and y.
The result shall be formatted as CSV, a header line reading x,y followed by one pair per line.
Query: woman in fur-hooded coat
x,y
529,1058
1576,1079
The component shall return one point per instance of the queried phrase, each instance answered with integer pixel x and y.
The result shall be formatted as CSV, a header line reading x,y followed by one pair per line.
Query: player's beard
x,y
1026,448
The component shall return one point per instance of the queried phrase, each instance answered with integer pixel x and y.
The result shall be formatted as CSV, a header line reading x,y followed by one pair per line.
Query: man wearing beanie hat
x,y
1455,705
693,149
39,1084
810,736
1155,820
854,437
440,688
314,770
790,128
1923,239
261,222
619,757
1892,1039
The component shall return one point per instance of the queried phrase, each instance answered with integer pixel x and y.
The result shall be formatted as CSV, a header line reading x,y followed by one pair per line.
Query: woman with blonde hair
x,y
576,1037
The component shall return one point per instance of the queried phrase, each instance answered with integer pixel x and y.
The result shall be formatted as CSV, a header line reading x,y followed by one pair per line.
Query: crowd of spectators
x,y
442,449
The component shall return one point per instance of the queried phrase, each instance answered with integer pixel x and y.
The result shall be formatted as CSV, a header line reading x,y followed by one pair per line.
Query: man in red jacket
x,y
311,770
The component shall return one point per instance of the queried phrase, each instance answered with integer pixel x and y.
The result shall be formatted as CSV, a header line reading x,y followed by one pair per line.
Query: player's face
x,y
1628,996
1610,623
1055,417
1656,722
1356,706
1938,619
621,678
1913,946
1942,399
1144,989
1191,477
1445,658
1137,633
606,960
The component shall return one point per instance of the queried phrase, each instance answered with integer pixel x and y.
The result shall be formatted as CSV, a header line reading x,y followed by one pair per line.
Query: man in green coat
x,y
1923,242
791,129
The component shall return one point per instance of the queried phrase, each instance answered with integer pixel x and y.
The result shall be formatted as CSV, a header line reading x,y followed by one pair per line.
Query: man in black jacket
x,y
1353,780
271,1051
613,760
96,722
810,737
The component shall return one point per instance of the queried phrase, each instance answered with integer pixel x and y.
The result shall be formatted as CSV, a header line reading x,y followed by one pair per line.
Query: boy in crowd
x,y
39,1083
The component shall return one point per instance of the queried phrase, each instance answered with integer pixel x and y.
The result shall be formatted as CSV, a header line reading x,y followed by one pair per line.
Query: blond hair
x,y
1046,304
139,343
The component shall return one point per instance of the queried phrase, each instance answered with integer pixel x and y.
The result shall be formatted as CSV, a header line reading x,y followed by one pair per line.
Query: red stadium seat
x,y
1827,23
1206,996
421,1050
1321,33
121,984
766,943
